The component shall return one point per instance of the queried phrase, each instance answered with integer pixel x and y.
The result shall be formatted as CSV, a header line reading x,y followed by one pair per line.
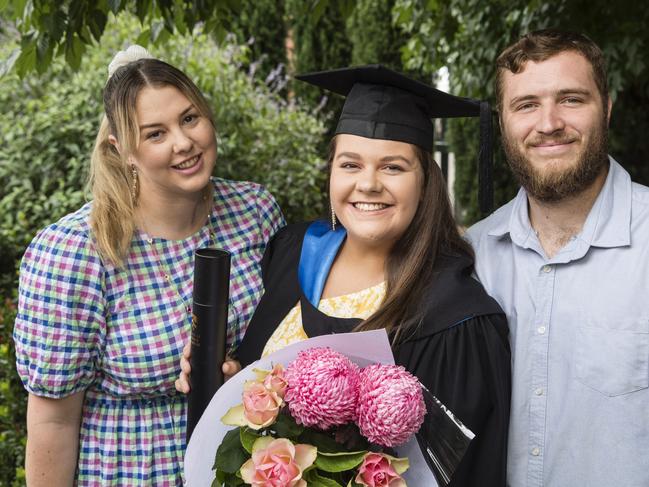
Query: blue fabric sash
x,y
319,249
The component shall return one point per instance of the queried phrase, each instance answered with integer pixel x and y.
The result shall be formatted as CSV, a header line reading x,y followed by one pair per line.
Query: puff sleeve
x,y
60,318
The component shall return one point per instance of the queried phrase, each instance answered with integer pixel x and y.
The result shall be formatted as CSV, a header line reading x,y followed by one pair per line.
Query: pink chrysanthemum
x,y
322,388
390,404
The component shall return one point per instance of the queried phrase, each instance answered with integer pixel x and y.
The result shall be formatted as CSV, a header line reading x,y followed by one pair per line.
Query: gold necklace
x,y
161,265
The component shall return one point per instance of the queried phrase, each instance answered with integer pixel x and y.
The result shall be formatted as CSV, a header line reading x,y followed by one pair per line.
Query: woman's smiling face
x,y
375,187
176,150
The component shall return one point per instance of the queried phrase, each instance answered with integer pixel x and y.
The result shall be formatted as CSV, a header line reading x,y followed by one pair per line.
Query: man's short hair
x,y
540,45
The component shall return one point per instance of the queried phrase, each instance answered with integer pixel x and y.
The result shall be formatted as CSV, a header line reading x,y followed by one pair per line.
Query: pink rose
x,y
379,470
275,381
277,463
260,405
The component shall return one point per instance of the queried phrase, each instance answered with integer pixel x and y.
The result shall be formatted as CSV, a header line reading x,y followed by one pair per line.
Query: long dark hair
x,y
412,261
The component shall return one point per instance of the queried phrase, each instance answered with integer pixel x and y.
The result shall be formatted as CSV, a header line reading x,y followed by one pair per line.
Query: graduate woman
x,y
391,257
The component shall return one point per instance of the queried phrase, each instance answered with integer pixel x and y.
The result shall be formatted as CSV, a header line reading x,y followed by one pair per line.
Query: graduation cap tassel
x,y
485,160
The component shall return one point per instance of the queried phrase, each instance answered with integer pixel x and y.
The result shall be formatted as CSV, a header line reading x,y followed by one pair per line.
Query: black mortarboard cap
x,y
384,104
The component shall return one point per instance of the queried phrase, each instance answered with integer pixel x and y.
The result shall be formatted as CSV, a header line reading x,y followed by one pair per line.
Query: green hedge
x,y
48,126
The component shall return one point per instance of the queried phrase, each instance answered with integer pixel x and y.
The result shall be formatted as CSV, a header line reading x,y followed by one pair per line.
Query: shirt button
x,y
538,391
546,268
536,451
541,330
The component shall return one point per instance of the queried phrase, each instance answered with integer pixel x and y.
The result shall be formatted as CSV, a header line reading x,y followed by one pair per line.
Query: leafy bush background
x,y
48,126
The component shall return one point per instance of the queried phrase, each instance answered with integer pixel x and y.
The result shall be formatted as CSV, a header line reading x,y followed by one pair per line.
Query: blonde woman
x,y
105,292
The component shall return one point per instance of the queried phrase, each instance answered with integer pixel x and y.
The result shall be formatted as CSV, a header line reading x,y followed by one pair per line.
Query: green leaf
x,y
144,38
230,455
235,416
314,479
227,479
142,9
179,18
219,32
399,464
318,8
22,8
219,479
27,59
324,442
156,28
168,17
84,34
74,50
97,23
8,64
248,437
53,24
339,462
76,16
44,51
286,427
163,36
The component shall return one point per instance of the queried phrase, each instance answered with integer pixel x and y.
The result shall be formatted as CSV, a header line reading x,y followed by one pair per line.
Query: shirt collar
x,y
608,223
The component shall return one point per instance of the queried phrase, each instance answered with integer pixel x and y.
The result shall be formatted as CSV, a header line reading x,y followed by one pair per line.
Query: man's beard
x,y
553,186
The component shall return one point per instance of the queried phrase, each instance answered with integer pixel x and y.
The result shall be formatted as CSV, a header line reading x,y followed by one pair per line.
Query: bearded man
x,y
568,260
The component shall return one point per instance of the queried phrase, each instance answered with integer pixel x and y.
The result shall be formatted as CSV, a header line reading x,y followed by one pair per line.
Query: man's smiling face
x,y
554,126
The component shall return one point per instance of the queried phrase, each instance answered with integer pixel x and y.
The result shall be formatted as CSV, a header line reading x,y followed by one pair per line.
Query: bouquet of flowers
x,y
327,419
321,421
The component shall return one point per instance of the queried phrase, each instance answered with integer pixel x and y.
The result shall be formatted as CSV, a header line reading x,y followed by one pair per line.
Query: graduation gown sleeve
x,y
467,367
281,291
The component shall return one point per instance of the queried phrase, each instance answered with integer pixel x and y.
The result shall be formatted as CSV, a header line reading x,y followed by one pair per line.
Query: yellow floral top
x,y
360,304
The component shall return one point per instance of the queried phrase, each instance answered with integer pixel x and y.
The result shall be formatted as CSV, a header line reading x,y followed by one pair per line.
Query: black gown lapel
x,y
316,323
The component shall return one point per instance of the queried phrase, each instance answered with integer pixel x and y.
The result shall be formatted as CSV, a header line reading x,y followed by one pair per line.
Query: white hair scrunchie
x,y
122,58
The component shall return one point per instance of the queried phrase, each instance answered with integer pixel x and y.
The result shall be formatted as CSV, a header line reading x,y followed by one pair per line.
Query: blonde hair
x,y
113,207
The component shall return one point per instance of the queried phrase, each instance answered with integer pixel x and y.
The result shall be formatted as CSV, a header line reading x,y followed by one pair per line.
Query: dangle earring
x,y
134,184
333,219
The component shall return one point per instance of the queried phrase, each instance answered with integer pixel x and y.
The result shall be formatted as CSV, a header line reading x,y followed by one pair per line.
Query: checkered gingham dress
x,y
118,335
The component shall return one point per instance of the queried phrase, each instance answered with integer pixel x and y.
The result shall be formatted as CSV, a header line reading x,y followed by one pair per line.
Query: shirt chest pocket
x,y
613,361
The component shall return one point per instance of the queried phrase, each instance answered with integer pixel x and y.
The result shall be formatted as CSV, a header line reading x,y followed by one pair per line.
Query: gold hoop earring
x,y
135,188
333,219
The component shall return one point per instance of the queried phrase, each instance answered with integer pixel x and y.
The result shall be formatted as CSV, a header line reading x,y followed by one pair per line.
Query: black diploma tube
x,y
209,325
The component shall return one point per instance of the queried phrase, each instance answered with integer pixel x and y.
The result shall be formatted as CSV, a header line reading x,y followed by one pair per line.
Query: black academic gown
x,y
460,352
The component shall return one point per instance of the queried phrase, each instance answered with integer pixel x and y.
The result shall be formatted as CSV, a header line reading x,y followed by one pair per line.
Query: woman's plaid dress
x,y
83,325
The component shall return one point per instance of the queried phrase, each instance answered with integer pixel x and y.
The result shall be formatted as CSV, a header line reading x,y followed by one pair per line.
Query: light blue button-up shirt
x,y
580,340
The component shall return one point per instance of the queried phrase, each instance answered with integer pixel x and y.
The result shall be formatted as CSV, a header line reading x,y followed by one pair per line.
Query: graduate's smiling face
x,y
375,187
